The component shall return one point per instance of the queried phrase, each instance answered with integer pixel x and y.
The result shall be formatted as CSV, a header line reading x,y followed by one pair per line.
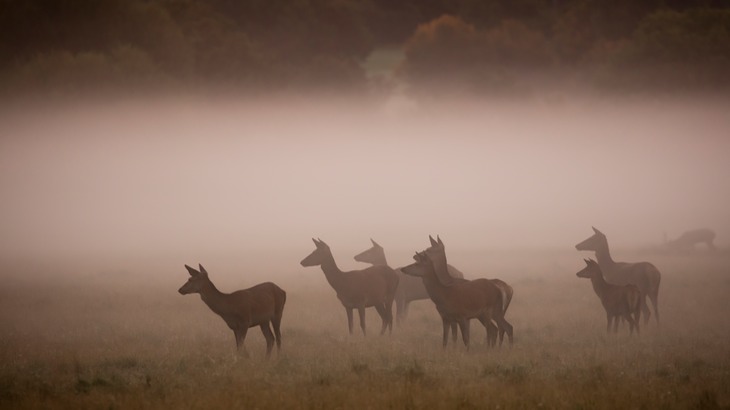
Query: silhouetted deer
x,y
618,301
643,275
458,300
410,288
688,240
358,289
242,309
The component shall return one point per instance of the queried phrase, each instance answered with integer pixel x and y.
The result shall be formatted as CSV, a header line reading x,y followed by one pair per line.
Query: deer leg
x,y
240,338
655,302
276,323
389,315
505,326
349,318
382,311
615,324
608,325
446,326
491,331
464,326
361,312
454,334
399,309
645,309
266,330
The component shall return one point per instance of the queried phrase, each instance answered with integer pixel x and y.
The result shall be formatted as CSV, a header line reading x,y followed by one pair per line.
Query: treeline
x,y
69,46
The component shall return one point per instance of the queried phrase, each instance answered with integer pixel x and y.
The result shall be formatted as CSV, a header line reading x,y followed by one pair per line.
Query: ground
x,y
86,337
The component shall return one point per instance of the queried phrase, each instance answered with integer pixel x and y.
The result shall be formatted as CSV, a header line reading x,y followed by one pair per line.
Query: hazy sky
x,y
182,175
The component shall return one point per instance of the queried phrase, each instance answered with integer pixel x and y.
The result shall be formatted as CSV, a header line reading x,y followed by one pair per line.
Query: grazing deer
x,y
619,301
688,240
458,300
410,288
242,309
643,275
358,289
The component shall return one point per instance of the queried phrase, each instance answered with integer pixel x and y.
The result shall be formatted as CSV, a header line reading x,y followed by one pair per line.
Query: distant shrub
x,y
450,52
671,50
63,72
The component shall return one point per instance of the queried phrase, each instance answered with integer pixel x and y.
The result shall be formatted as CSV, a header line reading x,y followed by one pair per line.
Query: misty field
x,y
87,337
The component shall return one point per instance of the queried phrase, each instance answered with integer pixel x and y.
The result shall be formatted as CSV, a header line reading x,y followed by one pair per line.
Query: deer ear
x,y
202,270
375,243
192,271
439,240
315,242
596,231
433,242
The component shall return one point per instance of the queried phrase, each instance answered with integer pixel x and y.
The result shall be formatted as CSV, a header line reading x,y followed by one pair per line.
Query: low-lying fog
x,y
191,176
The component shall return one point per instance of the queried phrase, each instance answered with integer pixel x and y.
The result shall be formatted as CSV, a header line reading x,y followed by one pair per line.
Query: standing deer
x,y
410,288
619,301
643,275
242,309
688,240
358,289
457,300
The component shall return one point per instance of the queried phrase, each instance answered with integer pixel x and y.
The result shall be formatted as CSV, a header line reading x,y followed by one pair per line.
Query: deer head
x,y
319,256
432,262
372,255
196,282
421,268
594,243
591,270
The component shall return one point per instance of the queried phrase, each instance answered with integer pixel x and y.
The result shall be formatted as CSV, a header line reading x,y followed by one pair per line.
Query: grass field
x,y
122,337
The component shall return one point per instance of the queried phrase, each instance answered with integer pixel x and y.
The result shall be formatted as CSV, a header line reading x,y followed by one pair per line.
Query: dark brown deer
x,y
643,275
358,289
619,301
458,300
242,309
410,288
688,240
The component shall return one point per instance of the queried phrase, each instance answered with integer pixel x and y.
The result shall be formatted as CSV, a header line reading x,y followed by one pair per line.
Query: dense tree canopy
x,y
77,44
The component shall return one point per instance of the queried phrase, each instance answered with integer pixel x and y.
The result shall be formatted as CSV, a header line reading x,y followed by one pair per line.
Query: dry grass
x,y
121,340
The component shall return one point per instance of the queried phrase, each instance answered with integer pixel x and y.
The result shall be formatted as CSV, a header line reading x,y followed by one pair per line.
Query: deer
x,y
410,288
358,289
458,300
619,301
643,275
256,306
688,240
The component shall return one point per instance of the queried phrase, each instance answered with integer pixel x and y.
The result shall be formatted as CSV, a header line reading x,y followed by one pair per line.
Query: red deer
x,y
643,275
618,301
358,289
410,288
688,240
458,300
242,309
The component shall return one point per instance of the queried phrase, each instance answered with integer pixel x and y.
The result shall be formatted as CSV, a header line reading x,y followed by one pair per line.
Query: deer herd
x,y
621,287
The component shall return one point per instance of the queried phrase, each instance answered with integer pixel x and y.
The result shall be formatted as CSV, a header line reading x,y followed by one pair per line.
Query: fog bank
x,y
193,175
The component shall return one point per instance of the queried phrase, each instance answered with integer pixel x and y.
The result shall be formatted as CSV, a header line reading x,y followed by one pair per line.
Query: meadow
x,y
114,333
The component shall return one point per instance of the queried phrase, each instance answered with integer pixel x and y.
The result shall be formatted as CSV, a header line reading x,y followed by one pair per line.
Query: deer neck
x,y
436,291
603,256
211,296
332,272
380,259
599,284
